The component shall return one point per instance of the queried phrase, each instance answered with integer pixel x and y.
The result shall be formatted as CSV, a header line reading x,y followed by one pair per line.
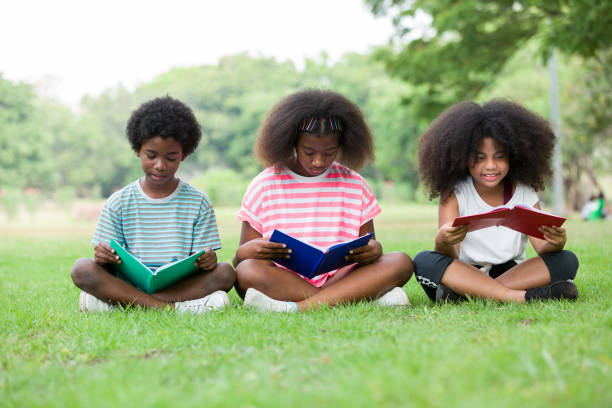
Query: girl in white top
x,y
477,158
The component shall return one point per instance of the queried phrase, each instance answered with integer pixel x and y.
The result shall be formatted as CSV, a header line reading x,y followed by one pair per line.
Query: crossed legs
x,y
349,285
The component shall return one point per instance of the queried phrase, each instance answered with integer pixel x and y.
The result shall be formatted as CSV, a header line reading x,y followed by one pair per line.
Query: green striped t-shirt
x,y
159,230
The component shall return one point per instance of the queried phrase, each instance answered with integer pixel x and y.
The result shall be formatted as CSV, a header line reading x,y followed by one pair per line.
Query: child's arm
x,y
104,254
448,238
253,246
554,238
367,253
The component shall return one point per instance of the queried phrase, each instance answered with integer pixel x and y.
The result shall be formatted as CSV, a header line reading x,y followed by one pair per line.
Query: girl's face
x,y
490,165
315,153
160,159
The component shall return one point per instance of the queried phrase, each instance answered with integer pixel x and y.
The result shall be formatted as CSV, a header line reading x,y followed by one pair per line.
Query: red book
x,y
520,218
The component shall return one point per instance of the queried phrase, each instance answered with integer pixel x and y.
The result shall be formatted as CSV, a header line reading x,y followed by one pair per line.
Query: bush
x,y
224,187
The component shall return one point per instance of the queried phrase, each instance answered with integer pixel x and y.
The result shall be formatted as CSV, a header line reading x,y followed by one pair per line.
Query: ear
x,y
183,156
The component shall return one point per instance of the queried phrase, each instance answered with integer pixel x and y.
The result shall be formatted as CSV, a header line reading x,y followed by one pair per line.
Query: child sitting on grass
x,y
476,158
306,193
158,218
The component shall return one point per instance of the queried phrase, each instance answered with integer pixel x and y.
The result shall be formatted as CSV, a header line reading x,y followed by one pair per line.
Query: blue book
x,y
309,261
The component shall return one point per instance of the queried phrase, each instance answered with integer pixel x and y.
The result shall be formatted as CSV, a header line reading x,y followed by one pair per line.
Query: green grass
x,y
473,354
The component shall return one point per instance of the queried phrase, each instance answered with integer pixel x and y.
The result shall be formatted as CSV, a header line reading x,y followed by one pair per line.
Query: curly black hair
x,y
447,146
164,117
279,133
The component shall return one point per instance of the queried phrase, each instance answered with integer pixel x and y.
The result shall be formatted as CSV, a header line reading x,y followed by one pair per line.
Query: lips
x,y
490,177
158,177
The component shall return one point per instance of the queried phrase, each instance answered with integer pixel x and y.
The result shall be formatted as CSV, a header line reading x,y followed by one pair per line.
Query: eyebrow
x,y
156,152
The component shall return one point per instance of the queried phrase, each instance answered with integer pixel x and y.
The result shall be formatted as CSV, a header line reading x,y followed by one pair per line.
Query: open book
x,y
309,261
520,218
152,281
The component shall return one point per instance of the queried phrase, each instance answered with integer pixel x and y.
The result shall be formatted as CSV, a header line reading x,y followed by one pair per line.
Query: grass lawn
x,y
473,354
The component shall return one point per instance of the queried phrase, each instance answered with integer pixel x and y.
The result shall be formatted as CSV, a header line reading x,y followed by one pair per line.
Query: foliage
x,y
224,187
88,150
24,146
469,42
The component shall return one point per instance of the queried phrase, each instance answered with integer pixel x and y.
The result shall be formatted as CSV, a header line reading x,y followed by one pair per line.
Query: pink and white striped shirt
x,y
322,210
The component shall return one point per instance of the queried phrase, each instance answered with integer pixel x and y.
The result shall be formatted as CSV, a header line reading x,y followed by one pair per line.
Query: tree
x,y
24,145
470,42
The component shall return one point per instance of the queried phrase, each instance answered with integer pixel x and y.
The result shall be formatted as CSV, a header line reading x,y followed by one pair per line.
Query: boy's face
x,y
160,159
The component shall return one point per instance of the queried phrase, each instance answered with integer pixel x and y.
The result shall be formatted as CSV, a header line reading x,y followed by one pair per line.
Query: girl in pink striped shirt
x,y
306,193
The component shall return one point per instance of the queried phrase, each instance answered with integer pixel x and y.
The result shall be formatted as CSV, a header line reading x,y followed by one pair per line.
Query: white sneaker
x,y
90,303
214,301
395,297
261,302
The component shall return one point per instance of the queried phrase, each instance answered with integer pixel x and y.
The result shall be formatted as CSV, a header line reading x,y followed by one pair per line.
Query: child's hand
x,y
104,254
555,236
207,261
365,254
261,248
449,236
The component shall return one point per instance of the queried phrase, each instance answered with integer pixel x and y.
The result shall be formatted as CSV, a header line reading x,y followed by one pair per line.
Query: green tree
x,y
469,42
24,144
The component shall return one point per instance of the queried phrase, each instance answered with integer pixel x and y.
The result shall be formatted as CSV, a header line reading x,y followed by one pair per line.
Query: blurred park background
x,y
69,158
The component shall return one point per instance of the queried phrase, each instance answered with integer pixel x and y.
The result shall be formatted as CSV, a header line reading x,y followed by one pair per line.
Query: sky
x,y
69,48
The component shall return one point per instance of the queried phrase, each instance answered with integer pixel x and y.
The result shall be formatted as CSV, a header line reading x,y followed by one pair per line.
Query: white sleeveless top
x,y
493,245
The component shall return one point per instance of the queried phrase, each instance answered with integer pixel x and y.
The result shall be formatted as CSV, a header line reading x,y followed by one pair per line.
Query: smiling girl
x,y
476,158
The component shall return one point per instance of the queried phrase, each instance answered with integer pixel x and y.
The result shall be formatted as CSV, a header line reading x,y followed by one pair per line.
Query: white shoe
x,y
90,303
261,302
395,297
214,301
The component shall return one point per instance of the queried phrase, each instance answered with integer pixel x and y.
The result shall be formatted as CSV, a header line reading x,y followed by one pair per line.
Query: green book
x,y
152,281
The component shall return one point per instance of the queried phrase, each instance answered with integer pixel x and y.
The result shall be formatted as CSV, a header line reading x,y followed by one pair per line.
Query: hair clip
x,y
331,124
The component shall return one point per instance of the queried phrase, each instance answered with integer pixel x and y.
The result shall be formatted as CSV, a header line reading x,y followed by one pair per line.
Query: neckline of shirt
x,y
162,200
307,178
509,204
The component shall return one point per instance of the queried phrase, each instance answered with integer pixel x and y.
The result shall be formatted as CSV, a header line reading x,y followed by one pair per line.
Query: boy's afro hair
x,y
279,134
446,148
164,117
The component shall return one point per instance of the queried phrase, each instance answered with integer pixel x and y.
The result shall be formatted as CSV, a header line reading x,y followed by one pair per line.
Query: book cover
x,y
309,261
152,281
520,218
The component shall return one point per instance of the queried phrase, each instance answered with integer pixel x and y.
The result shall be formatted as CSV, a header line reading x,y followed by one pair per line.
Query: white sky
x,y
70,48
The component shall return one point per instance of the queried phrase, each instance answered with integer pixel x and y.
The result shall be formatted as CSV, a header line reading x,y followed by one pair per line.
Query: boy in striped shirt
x,y
159,219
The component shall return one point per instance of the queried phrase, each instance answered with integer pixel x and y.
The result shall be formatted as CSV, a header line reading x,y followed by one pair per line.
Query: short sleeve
x,y
369,207
205,231
110,225
250,209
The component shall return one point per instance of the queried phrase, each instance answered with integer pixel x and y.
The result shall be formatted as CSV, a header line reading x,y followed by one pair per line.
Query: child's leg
x,y
99,282
363,282
275,282
541,270
433,268
199,285
465,279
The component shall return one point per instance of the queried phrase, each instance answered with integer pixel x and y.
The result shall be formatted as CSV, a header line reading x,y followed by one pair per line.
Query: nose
x,y
490,163
318,161
160,165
